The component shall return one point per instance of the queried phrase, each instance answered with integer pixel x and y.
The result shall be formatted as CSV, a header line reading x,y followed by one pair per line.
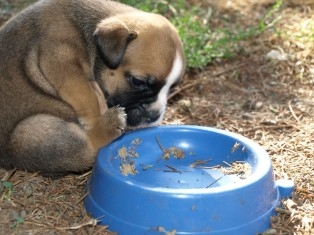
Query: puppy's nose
x,y
153,116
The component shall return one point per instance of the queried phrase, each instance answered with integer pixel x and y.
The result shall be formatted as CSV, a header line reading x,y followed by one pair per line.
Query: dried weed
x,y
265,99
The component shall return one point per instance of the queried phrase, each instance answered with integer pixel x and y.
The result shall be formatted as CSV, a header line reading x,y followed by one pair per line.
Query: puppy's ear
x,y
112,38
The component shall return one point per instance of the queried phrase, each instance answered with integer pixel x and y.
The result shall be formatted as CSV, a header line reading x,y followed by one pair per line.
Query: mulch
x,y
265,93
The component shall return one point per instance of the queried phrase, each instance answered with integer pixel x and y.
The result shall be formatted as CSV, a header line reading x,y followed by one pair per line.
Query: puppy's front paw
x,y
115,119
108,127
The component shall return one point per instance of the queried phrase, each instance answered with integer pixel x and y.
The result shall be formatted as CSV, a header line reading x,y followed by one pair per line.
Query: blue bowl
x,y
166,180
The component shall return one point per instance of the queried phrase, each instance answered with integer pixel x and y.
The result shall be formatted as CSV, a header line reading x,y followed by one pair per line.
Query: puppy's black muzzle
x,y
138,112
140,115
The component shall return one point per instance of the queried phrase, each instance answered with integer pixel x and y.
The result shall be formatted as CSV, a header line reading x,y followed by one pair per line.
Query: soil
x,y
265,92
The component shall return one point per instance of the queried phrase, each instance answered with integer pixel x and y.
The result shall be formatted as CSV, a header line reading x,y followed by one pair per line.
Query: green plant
x,y
17,220
8,186
203,44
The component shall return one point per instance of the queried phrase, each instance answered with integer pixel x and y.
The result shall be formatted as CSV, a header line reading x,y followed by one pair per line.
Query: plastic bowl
x,y
179,180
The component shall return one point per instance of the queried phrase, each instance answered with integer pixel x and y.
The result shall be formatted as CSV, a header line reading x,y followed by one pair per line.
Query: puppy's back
x,y
24,38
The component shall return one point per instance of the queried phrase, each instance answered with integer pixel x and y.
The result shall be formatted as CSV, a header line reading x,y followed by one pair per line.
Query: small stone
x,y
276,55
185,104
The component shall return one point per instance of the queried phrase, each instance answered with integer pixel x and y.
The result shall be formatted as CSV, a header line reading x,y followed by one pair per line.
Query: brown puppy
x,y
70,73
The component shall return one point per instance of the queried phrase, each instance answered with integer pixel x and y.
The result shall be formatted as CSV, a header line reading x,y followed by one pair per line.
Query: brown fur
x,y
53,116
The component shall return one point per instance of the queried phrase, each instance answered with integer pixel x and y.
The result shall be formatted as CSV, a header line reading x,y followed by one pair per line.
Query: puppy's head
x,y
139,58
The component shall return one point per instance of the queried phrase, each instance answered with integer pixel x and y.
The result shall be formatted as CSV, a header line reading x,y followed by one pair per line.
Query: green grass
x,y
202,43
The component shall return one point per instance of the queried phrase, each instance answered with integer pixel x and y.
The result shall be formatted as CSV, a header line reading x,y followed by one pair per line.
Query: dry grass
x,y
267,100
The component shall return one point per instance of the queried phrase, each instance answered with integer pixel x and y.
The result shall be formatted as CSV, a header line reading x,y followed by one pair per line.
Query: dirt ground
x,y
265,93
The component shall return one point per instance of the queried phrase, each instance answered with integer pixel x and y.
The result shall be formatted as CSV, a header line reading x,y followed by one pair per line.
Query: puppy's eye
x,y
137,83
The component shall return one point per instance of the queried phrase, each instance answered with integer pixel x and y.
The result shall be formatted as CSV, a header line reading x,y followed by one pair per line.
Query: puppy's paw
x,y
115,119
108,127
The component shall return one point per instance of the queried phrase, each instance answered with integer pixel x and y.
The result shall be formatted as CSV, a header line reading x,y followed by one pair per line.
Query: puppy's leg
x,y
50,145
102,124
108,127
55,147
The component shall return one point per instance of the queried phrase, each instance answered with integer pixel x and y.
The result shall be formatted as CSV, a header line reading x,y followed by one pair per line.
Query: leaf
x,y
7,184
19,219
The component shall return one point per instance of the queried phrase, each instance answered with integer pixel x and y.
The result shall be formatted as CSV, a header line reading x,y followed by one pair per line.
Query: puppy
x,y
74,74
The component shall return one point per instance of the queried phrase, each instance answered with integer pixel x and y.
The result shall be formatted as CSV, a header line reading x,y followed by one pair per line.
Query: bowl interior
x,y
180,158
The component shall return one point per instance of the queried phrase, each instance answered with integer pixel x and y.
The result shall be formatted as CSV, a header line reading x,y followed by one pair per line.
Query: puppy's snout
x,y
134,117
141,116
153,116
